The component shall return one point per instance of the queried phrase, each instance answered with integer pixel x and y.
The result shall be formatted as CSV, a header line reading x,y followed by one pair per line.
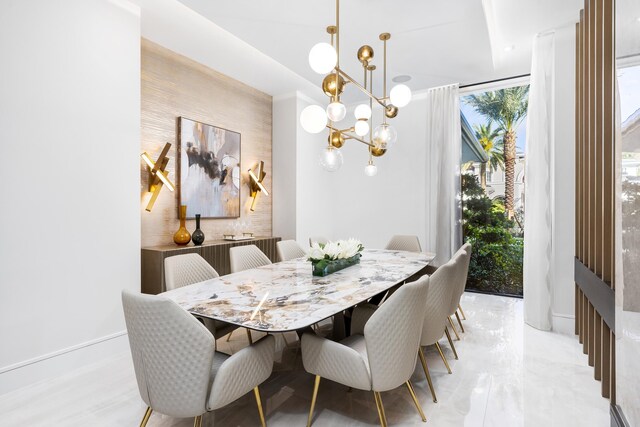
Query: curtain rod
x,y
496,80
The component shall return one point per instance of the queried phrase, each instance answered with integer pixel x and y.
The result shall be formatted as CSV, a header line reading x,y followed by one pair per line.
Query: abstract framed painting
x,y
209,170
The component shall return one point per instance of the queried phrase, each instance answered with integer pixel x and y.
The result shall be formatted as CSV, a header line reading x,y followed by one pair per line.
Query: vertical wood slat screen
x,y
594,121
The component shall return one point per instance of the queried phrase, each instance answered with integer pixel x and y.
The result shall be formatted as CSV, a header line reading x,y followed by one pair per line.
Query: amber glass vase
x,y
182,236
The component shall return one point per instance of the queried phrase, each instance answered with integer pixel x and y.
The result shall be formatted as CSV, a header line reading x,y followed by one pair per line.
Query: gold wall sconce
x,y
158,176
255,183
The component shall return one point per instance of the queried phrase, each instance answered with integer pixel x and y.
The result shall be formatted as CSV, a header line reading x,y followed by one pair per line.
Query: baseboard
x,y
563,324
617,417
62,361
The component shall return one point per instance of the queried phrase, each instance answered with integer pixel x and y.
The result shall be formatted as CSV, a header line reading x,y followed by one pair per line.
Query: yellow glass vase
x,y
182,236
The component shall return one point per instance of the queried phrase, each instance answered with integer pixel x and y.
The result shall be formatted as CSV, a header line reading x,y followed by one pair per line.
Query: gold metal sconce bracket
x,y
158,176
255,183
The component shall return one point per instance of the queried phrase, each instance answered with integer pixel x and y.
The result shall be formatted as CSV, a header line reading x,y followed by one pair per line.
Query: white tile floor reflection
x,y
508,375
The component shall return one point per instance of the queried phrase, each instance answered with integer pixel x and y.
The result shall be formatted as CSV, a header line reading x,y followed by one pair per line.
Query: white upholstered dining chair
x,y
460,283
318,239
187,269
289,249
441,291
404,243
380,354
246,257
178,371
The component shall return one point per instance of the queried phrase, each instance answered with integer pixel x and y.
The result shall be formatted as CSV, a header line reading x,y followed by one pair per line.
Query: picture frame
x,y
209,175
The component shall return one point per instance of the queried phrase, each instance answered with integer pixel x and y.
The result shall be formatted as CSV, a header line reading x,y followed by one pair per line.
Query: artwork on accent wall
x,y
209,170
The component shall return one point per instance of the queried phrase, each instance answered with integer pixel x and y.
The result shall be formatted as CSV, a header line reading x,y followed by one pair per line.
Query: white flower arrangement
x,y
340,249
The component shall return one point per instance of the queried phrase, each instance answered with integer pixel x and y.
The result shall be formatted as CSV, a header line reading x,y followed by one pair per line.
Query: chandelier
x,y
324,58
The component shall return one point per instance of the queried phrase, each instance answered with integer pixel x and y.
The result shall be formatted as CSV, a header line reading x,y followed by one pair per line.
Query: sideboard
x,y
216,252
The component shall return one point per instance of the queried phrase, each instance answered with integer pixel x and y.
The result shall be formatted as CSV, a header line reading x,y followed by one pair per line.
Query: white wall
x,y
563,178
70,221
284,165
373,209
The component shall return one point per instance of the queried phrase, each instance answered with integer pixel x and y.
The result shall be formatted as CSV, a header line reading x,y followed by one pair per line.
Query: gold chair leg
x,y
249,336
415,400
464,317
229,336
146,416
444,359
197,421
455,331
380,407
423,360
259,403
313,399
453,347
460,322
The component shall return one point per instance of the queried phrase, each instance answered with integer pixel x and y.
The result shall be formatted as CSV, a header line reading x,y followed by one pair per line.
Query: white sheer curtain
x,y
538,186
444,148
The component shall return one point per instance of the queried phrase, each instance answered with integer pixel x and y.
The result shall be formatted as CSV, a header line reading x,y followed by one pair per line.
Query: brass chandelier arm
x,y
359,86
349,136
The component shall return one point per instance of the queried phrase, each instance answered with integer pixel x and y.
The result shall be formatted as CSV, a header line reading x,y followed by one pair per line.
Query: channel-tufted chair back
x,y
246,257
392,335
183,270
463,255
442,288
318,239
289,249
172,354
404,243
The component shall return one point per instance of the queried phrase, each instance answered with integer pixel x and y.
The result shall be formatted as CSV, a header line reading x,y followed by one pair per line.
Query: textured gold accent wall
x,y
173,86
595,141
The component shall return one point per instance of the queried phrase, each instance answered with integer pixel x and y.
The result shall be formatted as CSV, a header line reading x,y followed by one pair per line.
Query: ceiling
x,y
175,26
514,23
435,42
628,31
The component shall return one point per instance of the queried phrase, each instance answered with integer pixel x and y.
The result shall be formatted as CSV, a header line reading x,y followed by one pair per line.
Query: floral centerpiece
x,y
333,256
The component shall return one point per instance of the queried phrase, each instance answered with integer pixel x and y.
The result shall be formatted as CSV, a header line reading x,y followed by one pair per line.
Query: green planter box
x,y
324,267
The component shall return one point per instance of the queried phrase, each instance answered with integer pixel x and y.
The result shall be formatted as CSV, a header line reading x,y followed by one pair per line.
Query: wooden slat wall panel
x,y
606,360
591,329
594,189
593,173
585,137
578,133
608,149
597,347
579,315
578,295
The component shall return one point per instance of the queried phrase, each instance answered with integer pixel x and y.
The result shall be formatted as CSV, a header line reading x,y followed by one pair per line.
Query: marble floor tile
x,y
508,375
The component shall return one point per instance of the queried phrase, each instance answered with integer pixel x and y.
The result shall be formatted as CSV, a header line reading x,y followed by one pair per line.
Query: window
x,y
493,198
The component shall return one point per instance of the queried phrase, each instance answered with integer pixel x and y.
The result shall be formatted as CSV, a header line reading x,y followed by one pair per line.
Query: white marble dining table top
x,y
285,296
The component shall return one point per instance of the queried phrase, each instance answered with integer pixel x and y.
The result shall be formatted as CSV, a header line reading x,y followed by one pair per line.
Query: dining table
x,y
285,296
